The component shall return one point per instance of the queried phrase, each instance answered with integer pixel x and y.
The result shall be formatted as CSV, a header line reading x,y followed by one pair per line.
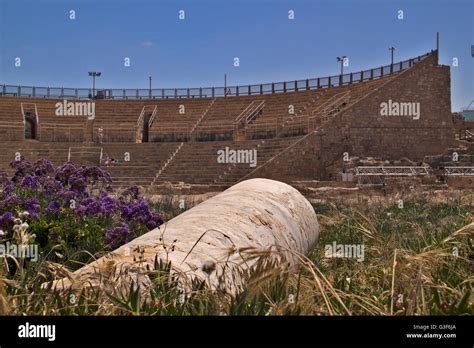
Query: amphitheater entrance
x,y
146,128
29,112
30,128
144,123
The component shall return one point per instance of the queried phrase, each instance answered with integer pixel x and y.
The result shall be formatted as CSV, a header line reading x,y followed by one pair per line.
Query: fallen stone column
x,y
216,240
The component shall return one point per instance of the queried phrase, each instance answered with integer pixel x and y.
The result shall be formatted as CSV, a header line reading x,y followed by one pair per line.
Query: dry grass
x,y
417,261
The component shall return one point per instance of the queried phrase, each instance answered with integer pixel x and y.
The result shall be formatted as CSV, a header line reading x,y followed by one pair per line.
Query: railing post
x,y
137,93
237,91
350,79
176,93
340,80
213,92
48,92
200,92
329,82
4,89
273,87
19,91
34,91
307,84
296,86
62,92
249,90
162,93
77,93
261,89
391,68
319,83
284,87
371,74
361,75
188,94
124,93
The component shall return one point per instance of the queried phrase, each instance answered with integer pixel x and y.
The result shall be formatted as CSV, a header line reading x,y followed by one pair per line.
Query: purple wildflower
x,y
53,208
6,218
10,203
155,221
22,168
66,196
64,172
43,167
77,183
108,204
118,235
29,181
50,185
129,194
3,176
54,237
32,204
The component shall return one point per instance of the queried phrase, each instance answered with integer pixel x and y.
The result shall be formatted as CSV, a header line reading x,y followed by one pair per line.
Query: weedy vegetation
x,y
417,260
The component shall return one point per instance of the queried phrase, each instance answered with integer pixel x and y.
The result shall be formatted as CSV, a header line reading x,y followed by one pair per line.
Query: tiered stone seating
x,y
144,159
144,162
33,150
326,102
219,121
178,146
11,120
54,128
269,132
277,111
266,149
118,120
172,124
50,127
199,164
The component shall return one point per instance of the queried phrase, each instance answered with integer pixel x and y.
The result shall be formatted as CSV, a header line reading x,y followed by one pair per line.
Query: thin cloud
x,y
147,44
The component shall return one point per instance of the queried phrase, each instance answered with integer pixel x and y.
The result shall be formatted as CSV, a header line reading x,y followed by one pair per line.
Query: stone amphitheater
x,y
317,132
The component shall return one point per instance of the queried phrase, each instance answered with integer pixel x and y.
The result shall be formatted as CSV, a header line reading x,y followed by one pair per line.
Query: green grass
x,y
416,262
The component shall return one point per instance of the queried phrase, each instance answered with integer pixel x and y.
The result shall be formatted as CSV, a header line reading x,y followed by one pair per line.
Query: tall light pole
x,y
225,85
94,74
149,77
341,59
391,49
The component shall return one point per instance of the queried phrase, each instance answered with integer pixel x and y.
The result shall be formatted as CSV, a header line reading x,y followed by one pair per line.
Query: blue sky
x,y
197,51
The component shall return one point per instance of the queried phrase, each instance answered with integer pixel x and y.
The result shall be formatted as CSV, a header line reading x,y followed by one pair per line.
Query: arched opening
x,y
146,127
30,129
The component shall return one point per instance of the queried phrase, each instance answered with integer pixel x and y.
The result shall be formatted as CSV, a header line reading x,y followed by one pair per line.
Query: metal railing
x,y
459,171
211,92
392,171
375,175
85,151
249,114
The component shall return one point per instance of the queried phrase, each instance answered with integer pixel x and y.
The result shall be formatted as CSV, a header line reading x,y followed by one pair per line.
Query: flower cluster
x,y
70,205
117,235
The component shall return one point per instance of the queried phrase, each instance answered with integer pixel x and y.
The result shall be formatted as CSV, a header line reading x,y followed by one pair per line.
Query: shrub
x,y
70,208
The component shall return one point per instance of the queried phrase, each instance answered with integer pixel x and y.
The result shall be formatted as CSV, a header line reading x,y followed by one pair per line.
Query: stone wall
x,y
392,137
361,130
